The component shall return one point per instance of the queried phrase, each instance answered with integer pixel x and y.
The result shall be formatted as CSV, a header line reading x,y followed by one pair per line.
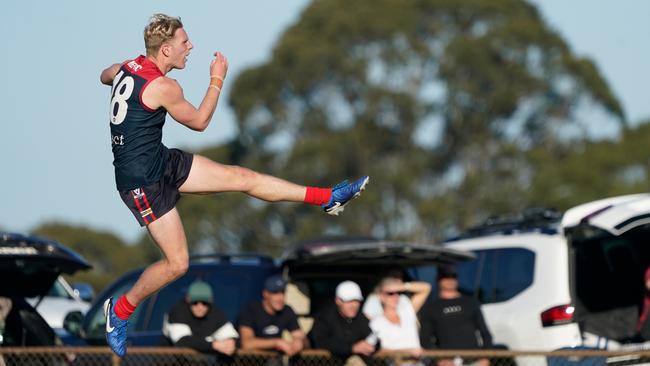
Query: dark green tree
x,y
592,170
439,101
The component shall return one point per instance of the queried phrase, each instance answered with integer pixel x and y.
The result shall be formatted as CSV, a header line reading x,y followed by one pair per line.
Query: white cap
x,y
348,291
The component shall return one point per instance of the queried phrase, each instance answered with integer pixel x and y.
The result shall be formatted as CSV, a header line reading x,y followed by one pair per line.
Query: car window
x,y
497,275
233,287
97,325
58,290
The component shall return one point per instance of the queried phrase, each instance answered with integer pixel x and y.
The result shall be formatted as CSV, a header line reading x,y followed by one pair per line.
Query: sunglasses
x,y
392,293
200,302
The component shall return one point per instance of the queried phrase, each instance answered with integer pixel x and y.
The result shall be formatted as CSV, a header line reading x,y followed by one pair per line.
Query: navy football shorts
x,y
150,202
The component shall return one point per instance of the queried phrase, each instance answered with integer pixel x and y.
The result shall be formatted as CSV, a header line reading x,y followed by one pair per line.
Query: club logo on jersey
x,y
137,193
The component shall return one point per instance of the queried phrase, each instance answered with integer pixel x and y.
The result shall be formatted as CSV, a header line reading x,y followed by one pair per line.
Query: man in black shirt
x,y
261,324
453,321
343,329
196,322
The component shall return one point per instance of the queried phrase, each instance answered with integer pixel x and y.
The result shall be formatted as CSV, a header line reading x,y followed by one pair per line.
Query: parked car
x,y
59,300
316,267
29,266
235,279
550,281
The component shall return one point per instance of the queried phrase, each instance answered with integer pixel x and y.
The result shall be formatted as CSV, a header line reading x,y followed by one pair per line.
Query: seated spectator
x,y
343,329
261,324
453,320
372,307
396,328
196,322
643,326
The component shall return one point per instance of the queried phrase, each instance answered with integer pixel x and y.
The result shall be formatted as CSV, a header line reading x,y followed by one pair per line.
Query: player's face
x,y
180,48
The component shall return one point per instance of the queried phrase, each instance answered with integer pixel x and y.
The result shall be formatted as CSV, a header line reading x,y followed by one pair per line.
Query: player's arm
x,y
171,97
109,73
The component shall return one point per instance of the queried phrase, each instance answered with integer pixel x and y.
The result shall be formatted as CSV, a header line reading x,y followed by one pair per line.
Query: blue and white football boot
x,y
343,193
115,328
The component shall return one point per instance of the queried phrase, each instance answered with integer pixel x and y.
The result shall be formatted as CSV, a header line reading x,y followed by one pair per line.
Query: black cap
x,y
447,271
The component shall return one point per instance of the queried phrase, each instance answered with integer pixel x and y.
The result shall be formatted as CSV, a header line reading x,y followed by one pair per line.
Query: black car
x,y
28,267
235,279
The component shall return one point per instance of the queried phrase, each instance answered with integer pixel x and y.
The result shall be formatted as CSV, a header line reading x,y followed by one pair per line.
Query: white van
x,y
550,281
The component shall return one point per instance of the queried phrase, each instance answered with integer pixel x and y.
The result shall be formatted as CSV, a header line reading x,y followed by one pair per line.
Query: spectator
x,y
261,324
196,322
372,307
453,321
396,327
343,329
643,326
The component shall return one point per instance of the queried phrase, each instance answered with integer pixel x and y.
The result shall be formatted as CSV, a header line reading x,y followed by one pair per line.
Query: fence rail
x,y
167,356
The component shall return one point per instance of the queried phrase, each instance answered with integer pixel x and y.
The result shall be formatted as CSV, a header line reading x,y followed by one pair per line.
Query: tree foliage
x,y
442,102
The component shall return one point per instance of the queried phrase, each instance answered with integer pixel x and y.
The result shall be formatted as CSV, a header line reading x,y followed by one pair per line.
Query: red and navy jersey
x,y
136,129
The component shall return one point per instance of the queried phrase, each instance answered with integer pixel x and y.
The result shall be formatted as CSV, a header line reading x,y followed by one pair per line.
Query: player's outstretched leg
x,y
115,328
343,193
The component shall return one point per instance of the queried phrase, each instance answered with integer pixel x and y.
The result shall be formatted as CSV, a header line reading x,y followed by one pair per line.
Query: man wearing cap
x,y
196,322
453,320
262,324
343,329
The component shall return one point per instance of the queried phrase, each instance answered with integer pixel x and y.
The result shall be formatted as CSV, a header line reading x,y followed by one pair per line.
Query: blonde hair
x,y
160,29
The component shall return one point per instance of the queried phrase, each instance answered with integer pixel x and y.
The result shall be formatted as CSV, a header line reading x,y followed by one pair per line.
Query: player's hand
x,y
219,66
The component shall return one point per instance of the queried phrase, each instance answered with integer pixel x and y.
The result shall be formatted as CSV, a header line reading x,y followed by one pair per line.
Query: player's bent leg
x,y
168,233
207,176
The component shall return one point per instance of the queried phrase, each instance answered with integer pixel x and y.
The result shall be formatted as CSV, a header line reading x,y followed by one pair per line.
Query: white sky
x,y
55,153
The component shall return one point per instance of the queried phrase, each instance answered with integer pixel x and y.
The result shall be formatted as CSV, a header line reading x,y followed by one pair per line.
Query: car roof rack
x,y
537,219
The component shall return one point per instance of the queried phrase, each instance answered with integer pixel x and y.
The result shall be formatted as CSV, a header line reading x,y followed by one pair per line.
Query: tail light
x,y
557,315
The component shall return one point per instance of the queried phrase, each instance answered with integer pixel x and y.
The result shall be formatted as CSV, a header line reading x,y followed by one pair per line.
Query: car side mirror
x,y
73,322
84,291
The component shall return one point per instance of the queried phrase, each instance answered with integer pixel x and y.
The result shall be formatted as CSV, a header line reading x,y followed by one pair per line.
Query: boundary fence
x,y
168,356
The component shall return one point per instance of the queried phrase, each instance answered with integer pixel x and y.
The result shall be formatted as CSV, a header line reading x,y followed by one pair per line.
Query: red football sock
x,y
123,308
318,196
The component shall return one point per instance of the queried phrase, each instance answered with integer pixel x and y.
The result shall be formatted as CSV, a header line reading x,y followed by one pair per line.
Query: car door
x,y
610,254
616,215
